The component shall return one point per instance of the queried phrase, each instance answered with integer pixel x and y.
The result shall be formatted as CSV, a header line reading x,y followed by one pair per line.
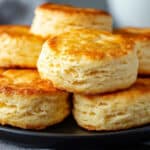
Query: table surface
x,y
7,145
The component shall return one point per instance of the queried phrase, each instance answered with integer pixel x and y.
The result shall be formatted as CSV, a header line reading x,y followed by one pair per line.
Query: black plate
x,y
69,132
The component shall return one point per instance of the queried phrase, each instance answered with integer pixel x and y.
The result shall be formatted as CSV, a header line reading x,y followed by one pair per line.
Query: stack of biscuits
x,y
69,50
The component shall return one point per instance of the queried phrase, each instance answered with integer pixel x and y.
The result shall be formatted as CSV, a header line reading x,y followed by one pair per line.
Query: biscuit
x,y
114,111
89,61
53,19
142,38
18,47
28,102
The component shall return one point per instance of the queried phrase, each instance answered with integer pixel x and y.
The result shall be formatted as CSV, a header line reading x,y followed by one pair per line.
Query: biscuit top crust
x,y
68,9
16,28
93,44
136,33
24,82
17,31
140,88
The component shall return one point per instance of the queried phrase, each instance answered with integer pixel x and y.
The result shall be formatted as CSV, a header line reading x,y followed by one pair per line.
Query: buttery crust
x,y
94,44
89,61
69,9
141,36
52,19
18,47
114,111
136,33
28,102
18,28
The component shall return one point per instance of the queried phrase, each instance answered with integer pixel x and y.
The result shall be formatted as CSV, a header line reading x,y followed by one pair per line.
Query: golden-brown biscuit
x,y
142,38
18,47
114,111
89,61
28,102
53,19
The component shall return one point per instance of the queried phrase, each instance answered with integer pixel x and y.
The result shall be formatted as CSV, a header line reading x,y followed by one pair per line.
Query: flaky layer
x,y
18,47
33,112
53,19
141,36
88,61
114,111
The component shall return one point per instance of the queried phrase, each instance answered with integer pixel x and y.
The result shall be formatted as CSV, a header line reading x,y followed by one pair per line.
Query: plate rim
x,y
18,131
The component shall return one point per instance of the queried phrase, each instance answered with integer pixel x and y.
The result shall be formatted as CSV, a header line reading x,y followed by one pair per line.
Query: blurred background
x,y
124,12
22,11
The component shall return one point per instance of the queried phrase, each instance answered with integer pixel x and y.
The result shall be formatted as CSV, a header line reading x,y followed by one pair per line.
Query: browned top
x,y
93,44
136,33
70,9
17,31
24,82
140,88
18,28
